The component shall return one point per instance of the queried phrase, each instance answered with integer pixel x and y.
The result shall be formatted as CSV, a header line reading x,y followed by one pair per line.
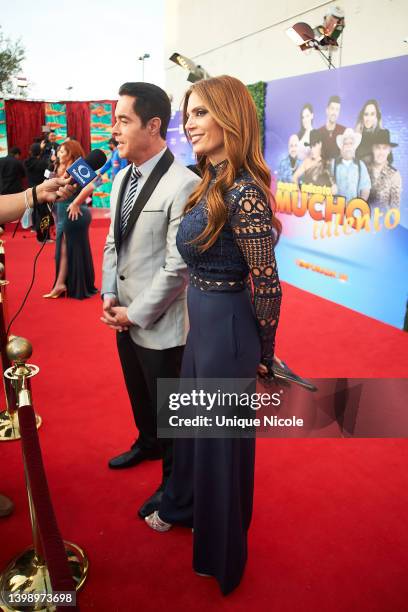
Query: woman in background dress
x,y
74,275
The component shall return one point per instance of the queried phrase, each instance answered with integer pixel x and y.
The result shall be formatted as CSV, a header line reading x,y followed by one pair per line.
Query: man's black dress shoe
x,y
151,504
133,457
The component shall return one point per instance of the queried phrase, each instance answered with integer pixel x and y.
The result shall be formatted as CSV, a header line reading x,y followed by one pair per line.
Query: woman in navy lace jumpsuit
x,y
232,329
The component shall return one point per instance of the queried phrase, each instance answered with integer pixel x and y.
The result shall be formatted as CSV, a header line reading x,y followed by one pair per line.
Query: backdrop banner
x,y
56,119
337,144
177,141
101,132
3,130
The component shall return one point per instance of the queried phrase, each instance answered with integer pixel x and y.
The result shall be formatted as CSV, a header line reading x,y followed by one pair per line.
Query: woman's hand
x,y
262,370
73,211
266,375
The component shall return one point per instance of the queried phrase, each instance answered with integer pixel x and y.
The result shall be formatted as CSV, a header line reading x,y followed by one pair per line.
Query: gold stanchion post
x,y
28,573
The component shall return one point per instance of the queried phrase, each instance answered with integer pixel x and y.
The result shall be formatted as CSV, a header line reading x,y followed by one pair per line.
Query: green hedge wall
x,y
258,92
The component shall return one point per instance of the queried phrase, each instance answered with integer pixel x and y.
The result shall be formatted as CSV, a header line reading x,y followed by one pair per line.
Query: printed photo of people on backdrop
x,y
356,162
337,145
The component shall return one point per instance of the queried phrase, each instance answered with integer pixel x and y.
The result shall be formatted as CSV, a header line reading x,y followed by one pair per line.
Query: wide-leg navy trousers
x,y
212,481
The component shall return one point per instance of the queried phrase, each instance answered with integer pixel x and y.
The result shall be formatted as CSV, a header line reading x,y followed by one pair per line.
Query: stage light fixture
x,y
142,59
196,72
333,25
301,34
326,35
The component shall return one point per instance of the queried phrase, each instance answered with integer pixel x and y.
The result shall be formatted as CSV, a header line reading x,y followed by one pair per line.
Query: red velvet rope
x,y
50,536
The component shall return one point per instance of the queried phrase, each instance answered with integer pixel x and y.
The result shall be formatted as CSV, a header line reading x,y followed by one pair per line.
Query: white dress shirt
x,y
145,170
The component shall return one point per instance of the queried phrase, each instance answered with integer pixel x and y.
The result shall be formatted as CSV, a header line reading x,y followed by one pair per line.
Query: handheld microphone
x,y
82,171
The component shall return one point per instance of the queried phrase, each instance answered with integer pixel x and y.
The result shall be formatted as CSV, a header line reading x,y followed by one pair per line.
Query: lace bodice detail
x,y
243,254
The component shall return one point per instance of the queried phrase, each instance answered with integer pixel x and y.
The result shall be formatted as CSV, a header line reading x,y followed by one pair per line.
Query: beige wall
x,y
375,29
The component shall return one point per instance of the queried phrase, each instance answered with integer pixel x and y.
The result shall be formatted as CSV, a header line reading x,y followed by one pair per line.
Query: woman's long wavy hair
x,y
74,151
232,107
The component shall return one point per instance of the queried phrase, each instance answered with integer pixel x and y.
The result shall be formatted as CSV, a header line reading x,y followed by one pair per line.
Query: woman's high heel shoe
x,y
57,294
154,521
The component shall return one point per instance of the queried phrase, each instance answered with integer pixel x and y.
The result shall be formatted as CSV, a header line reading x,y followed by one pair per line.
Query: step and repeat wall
x,y
341,193
56,119
177,141
101,132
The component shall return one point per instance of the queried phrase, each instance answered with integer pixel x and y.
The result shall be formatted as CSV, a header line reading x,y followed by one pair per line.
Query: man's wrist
x,y
129,317
109,294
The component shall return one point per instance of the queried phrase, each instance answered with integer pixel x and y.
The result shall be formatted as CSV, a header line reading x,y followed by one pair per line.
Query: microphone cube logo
x,y
81,172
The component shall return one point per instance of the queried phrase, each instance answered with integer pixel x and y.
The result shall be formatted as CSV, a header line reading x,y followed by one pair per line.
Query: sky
x,y
90,45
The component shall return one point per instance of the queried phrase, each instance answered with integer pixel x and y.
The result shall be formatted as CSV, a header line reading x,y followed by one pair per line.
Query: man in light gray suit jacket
x,y
144,276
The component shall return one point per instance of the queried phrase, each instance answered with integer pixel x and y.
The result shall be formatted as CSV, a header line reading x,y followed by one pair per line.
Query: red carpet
x,y
329,529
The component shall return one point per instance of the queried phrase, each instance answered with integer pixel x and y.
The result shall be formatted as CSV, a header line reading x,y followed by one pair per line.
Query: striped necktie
x,y
130,199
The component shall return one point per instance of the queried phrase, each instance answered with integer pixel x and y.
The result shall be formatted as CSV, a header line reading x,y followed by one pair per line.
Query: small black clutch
x,y
282,372
42,218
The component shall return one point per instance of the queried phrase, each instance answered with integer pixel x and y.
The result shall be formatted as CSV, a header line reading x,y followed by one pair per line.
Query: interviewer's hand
x,y
54,188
